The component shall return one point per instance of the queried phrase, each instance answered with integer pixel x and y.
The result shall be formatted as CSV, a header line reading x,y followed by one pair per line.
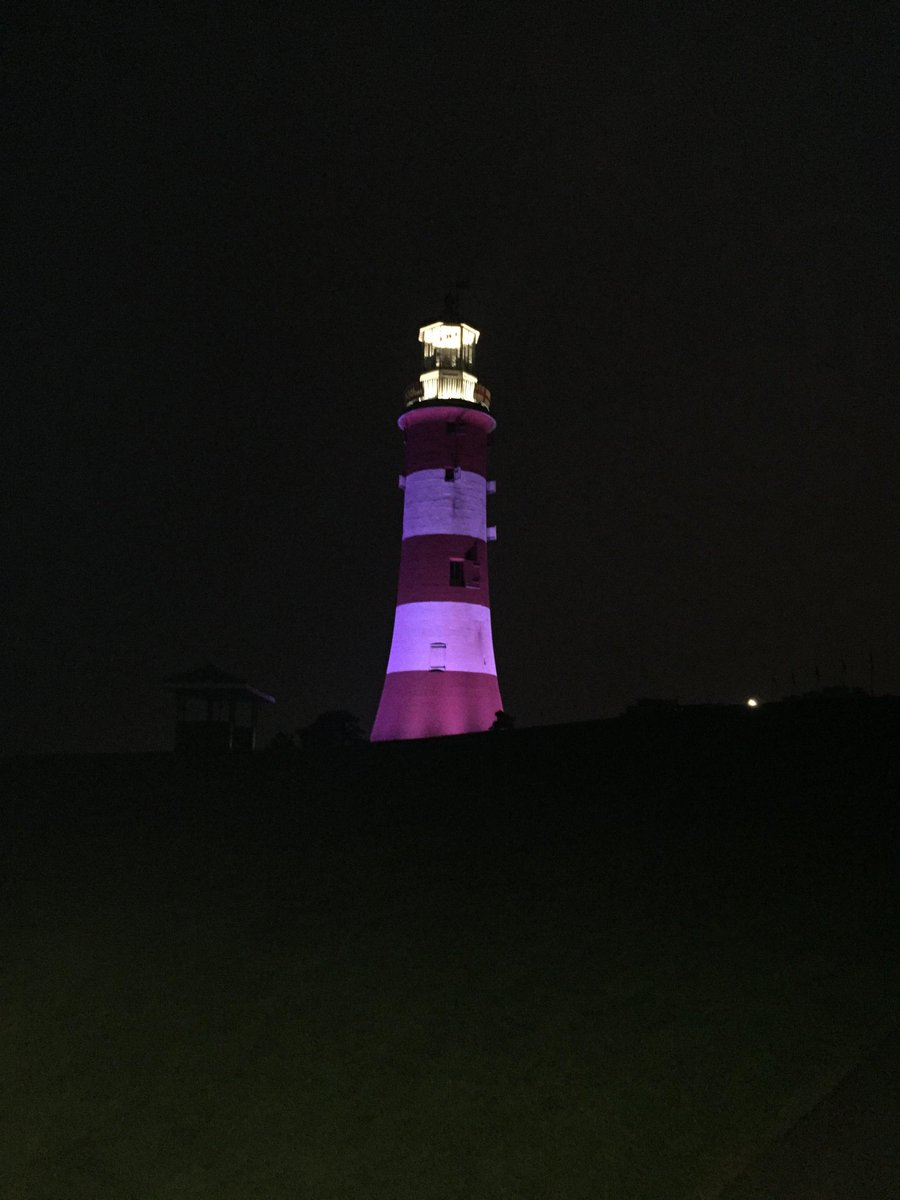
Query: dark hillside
x,y
607,960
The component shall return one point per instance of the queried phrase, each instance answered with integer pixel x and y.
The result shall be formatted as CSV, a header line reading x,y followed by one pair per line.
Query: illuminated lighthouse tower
x,y
441,678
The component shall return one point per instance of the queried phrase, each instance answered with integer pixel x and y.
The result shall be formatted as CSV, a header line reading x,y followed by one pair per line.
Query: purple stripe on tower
x,y
443,566
420,704
444,435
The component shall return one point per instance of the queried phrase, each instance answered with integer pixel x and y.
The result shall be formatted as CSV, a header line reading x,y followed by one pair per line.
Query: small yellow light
x,y
752,702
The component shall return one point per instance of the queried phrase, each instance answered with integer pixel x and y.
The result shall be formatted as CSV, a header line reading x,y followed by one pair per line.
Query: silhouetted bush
x,y
282,742
338,728
503,721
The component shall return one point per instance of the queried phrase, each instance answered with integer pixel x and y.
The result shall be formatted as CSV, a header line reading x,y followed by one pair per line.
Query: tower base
x,y
421,704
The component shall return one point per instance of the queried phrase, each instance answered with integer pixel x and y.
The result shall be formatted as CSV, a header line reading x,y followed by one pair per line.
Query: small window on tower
x,y
457,577
449,475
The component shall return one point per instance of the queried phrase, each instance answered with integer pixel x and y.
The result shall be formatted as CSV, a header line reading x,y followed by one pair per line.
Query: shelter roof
x,y
210,679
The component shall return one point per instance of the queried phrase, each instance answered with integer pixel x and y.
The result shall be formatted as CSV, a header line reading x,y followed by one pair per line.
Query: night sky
x,y
227,227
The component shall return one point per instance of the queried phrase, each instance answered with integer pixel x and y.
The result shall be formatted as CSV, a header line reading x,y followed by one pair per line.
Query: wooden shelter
x,y
215,712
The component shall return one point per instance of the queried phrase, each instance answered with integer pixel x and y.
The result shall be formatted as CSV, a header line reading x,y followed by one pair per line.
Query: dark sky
x,y
227,227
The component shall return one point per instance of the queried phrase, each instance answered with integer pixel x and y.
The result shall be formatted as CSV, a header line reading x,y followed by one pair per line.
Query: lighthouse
x,y
441,677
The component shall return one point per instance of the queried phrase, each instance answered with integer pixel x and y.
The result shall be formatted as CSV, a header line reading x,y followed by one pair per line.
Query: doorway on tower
x,y
438,660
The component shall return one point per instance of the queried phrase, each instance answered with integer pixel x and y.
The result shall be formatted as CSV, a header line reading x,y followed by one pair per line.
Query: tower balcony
x,y
445,384
435,387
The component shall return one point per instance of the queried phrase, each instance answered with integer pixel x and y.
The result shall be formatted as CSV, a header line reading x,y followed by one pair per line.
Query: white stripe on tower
x,y
440,635
435,504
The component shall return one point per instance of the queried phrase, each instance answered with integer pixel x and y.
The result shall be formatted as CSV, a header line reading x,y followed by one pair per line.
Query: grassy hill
x,y
600,961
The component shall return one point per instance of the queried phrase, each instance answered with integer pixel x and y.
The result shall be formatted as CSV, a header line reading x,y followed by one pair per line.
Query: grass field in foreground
x,y
587,963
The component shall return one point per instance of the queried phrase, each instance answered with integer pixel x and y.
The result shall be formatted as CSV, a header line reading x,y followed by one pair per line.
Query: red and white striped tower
x,y
441,678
